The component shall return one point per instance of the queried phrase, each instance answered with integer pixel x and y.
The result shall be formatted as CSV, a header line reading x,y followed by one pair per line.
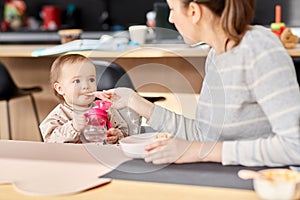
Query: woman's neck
x,y
220,43
216,36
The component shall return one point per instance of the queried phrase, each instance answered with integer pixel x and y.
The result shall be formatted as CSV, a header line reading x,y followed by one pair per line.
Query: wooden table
x,y
32,164
185,181
294,52
119,189
147,51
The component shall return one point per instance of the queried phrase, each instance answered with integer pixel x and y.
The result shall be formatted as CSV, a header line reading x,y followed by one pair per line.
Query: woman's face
x,y
182,19
77,79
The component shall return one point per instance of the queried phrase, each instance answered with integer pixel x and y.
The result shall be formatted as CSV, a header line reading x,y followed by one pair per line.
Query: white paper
x,y
38,168
105,44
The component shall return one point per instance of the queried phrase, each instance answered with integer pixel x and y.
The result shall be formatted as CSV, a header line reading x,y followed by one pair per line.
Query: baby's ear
x,y
58,88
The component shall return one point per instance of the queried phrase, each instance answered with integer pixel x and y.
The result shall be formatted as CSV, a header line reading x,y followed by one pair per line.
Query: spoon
x,y
250,174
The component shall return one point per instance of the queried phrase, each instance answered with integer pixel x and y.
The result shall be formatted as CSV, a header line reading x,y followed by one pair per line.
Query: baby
x,y
73,79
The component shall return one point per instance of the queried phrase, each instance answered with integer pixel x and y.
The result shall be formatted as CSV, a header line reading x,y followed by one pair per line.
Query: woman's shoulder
x,y
260,36
260,40
257,39
259,28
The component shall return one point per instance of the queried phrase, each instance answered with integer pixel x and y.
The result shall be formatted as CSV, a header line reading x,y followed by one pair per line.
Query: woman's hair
x,y
235,15
57,65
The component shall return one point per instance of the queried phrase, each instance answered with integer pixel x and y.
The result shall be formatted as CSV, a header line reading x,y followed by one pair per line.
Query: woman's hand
x,y
170,151
125,97
113,135
120,97
105,94
181,151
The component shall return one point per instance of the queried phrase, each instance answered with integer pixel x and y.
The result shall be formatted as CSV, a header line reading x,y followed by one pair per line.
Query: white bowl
x,y
284,184
134,146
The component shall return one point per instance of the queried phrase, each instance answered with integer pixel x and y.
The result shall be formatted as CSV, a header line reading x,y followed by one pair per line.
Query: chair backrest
x,y
111,75
7,86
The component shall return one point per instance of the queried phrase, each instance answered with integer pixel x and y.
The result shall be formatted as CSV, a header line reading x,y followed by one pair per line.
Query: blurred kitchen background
x,y
97,17
91,15
111,15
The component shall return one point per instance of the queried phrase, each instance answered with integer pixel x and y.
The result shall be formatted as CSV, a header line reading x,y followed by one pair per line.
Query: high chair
x,y
9,90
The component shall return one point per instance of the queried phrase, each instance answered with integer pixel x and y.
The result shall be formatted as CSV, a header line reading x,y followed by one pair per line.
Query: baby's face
x,y
77,80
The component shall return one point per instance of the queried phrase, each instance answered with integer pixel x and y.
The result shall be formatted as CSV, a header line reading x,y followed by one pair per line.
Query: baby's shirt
x,y
57,127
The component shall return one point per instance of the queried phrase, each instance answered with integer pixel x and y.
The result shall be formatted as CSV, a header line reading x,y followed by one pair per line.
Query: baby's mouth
x,y
89,94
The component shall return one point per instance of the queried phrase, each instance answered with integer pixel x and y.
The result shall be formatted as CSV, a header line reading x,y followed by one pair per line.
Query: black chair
x,y
9,90
297,68
111,75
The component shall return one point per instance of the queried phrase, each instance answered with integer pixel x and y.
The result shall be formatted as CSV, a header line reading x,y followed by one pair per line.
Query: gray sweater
x,y
250,100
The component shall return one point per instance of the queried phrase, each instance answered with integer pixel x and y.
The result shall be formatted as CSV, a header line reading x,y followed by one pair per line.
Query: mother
x,y
249,106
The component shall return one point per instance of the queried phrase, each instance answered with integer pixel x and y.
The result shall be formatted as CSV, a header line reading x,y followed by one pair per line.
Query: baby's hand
x,y
79,121
113,135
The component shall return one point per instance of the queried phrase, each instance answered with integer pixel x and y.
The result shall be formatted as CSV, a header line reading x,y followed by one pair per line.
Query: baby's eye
x,y
92,80
76,81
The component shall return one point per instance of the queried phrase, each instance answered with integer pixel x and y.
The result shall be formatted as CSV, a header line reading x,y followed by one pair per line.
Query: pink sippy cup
x,y
98,122
104,106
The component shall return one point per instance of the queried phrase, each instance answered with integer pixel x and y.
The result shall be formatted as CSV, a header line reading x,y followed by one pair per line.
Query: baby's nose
x,y
85,84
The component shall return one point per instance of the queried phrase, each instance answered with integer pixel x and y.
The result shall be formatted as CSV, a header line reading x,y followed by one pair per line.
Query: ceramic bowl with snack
x,y
134,146
281,184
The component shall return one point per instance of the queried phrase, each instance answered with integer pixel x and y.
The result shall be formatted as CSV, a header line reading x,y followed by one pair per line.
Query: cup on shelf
x,y
138,33
68,35
51,17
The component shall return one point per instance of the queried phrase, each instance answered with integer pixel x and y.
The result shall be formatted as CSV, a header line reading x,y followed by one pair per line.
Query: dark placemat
x,y
200,174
